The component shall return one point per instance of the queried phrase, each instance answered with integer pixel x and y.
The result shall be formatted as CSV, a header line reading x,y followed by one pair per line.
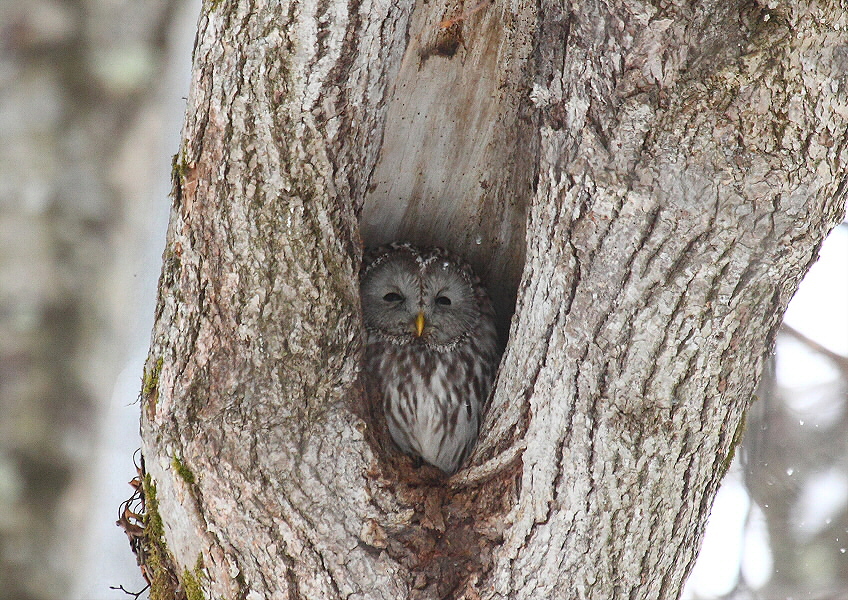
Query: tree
x,y
646,183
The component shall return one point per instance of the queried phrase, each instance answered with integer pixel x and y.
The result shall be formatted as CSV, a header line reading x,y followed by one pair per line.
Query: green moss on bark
x,y
163,583
150,380
191,582
183,471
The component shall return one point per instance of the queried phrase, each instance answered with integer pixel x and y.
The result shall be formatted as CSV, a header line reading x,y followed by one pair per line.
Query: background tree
x,y
80,122
794,469
648,183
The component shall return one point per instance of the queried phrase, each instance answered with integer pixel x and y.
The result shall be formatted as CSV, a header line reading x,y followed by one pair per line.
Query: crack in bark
x,y
664,344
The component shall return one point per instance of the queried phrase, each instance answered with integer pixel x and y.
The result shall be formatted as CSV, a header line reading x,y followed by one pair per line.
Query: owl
x,y
432,349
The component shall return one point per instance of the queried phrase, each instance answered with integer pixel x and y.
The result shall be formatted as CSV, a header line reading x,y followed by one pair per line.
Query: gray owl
x,y
432,349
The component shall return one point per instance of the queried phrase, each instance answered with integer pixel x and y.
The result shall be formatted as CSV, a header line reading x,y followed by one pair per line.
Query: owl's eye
x,y
443,301
392,297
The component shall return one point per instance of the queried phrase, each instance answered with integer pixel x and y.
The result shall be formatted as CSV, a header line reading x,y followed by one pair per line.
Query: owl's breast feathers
x,y
432,398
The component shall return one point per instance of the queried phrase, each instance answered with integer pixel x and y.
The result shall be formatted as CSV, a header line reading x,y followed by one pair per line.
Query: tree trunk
x,y
646,185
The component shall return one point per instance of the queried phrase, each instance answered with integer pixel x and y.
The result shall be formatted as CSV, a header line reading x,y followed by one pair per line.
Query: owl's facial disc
x,y
410,300
390,293
448,301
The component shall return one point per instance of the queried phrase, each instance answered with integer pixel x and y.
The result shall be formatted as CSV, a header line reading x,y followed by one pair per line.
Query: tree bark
x,y
648,185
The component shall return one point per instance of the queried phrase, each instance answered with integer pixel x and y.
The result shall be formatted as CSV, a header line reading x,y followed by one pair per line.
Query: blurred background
x,y
91,104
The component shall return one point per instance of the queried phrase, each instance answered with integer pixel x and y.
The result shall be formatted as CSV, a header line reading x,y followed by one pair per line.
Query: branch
x,y
840,361
129,593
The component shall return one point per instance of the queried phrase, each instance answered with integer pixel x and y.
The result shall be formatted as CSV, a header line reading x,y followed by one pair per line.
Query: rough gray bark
x,y
675,170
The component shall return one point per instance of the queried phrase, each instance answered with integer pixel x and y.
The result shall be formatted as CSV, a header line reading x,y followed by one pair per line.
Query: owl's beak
x,y
419,323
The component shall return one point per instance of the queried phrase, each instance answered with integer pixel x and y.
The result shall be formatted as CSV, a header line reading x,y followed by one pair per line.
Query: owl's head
x,y
420,295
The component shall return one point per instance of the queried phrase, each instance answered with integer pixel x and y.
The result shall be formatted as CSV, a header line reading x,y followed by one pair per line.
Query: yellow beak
x,y
419,324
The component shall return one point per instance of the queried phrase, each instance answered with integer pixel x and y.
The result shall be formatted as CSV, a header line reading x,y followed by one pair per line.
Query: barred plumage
x,y
432,349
